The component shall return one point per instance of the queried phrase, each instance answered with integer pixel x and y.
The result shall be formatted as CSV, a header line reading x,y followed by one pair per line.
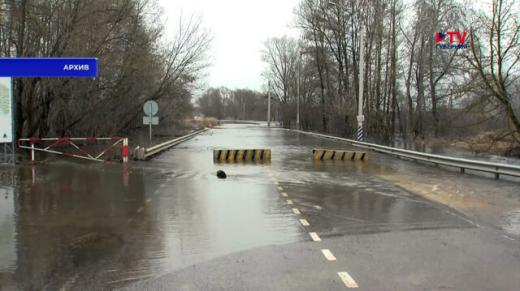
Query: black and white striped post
x,y
360,133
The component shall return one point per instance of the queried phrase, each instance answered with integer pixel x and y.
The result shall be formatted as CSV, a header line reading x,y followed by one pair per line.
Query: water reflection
x,y
348,210
59,221
74,227
7,237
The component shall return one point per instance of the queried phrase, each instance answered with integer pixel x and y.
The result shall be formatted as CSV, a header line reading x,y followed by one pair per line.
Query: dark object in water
x,y
221,174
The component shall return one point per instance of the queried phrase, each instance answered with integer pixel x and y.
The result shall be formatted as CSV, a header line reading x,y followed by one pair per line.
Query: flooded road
x,y
68,225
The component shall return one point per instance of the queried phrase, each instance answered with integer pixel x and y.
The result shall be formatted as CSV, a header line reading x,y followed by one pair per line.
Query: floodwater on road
x,y
69,225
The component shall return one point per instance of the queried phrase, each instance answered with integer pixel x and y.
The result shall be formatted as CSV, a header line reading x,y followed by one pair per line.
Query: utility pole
x,y
150,125
268,103
360,117
298,94
223,102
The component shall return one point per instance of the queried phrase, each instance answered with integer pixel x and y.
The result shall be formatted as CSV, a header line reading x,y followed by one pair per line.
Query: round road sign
x,y
150,108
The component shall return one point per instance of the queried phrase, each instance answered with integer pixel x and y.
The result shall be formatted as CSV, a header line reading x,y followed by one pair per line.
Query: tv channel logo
x,y
441,39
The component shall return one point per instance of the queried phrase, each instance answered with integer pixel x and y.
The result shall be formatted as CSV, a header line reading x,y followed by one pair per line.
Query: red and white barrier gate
x,y
69,140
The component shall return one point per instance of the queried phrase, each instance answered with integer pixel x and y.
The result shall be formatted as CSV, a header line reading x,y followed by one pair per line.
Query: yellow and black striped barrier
x,y
249,155
335,155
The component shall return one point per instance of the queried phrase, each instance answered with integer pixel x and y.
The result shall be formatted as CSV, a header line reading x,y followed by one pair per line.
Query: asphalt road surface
x,y
291,224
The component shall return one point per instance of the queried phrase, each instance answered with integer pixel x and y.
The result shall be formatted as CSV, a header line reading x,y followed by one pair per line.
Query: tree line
x,y
240,104
412,86
136,63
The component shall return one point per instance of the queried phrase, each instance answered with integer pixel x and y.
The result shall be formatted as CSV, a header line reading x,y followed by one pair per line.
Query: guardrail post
x,y
139,153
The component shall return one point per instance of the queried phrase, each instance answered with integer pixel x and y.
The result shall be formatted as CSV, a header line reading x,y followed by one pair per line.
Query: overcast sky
x,y
239,28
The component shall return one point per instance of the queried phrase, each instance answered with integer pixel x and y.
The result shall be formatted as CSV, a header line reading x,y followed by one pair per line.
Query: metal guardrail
x,y
231,121
165,145
463,164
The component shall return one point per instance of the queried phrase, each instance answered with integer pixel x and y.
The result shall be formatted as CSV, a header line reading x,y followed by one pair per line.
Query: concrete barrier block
x,y
338,155
242,155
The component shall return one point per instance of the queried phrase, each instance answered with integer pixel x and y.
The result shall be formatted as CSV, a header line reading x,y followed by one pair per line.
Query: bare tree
x,y
282,57
136,63
495,53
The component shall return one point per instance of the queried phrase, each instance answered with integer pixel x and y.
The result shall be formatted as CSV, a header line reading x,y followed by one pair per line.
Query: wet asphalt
x,y
170,224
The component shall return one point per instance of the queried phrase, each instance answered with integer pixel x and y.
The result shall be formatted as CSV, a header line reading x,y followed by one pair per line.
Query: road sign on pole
x,y
150,108
153,120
